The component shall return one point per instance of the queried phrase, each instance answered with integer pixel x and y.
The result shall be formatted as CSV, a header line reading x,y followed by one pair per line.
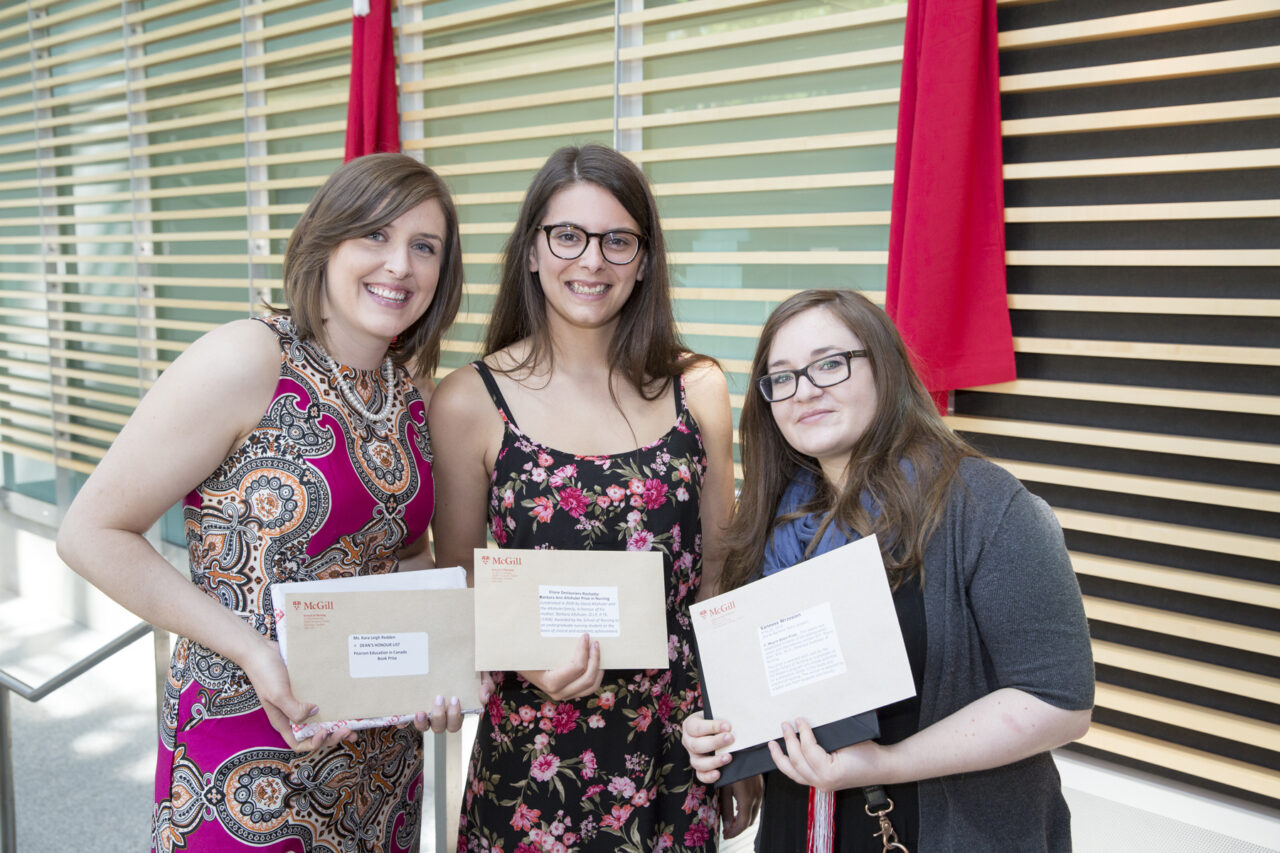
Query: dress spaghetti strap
x,y
486,375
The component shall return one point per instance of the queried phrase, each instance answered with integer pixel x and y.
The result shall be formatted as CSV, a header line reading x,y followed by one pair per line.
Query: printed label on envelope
x,y
379,655
571,611
801,649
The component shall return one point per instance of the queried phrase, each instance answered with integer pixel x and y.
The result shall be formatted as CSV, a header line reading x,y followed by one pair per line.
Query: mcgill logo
x,y
717,611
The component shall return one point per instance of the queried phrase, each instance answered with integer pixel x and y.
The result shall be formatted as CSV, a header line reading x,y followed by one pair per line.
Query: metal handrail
x,y
446,746
8,684
88,662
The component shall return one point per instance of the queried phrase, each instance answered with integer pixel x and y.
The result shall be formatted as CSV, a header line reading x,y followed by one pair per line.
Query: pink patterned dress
x,y
313,492
607,772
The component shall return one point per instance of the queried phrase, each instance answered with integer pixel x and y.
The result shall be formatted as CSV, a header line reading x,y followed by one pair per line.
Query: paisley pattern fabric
x,y
313,492
607,772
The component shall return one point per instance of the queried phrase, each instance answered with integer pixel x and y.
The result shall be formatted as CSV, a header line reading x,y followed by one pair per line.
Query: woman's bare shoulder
x,y
457,394
243,355
705,387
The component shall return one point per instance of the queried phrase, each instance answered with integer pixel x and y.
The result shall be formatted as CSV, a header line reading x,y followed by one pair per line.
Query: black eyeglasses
x,y
568,242
823,373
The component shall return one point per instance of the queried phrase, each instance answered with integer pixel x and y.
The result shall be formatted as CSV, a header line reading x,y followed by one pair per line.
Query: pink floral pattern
x,y
607,772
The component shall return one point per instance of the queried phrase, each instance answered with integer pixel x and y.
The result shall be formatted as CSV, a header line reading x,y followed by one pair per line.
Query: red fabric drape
x,y
373,119
946,286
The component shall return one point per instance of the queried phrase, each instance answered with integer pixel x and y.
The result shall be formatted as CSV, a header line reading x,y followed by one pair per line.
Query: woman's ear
x,y
533,258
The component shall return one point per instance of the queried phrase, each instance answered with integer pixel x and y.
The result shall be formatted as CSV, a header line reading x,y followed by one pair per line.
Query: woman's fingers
x,y
283,723
441,718
701,738
592,676
324,740
453,717
783,763
814,756
581,676
789,757
432,720
796,750
739,804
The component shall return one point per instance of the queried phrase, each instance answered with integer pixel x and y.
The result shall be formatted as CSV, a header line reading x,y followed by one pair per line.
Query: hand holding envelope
x,y
545,600
580,677
376,650
819,641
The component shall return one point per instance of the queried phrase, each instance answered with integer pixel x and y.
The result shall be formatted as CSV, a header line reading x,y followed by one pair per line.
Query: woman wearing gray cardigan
x,y
840,440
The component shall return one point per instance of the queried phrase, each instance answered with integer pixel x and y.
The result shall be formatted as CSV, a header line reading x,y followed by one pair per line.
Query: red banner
x,y
373,117
946,284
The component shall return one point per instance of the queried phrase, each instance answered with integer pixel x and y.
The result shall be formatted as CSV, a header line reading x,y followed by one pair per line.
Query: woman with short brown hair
x,y
298,448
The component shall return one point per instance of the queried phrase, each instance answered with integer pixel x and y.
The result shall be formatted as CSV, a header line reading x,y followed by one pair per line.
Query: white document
x,y
383,655
819,640
801,649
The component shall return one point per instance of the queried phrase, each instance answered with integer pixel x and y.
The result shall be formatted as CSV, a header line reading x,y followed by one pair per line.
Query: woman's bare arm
x,y
707,393
194,415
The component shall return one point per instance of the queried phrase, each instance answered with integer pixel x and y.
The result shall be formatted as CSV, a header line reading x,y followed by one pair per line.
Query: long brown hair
x,y
366,194
645,346
906,426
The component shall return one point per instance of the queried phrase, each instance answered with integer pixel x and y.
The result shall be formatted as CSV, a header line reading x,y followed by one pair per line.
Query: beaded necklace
x,y
379,420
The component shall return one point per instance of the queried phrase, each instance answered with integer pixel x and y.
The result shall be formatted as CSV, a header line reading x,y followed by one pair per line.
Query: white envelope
x,y
819,640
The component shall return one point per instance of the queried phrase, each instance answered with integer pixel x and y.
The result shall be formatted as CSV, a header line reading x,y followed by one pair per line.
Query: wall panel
x,y
1143,228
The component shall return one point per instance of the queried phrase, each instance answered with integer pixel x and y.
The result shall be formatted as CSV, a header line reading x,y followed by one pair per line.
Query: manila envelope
x,y
819,640
533,606
379,646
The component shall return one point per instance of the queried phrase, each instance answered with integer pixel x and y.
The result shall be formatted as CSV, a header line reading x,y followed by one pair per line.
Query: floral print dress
x,y
605,772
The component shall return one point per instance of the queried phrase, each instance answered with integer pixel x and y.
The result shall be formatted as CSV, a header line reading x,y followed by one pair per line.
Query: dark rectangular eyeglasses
x,y
822,373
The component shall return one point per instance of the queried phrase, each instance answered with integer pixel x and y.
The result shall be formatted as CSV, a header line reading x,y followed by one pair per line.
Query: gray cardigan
x,y
1002,609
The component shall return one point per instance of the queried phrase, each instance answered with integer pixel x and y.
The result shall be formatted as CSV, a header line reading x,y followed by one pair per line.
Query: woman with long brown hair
x,y
588,425
298,448
840,440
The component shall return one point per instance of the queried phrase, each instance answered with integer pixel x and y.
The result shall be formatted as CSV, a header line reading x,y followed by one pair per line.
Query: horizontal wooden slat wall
x,y
766,129
145,151
1142,181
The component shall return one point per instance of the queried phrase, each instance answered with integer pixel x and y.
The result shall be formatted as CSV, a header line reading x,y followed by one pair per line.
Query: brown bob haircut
x,y
646,347
906,426
366,194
